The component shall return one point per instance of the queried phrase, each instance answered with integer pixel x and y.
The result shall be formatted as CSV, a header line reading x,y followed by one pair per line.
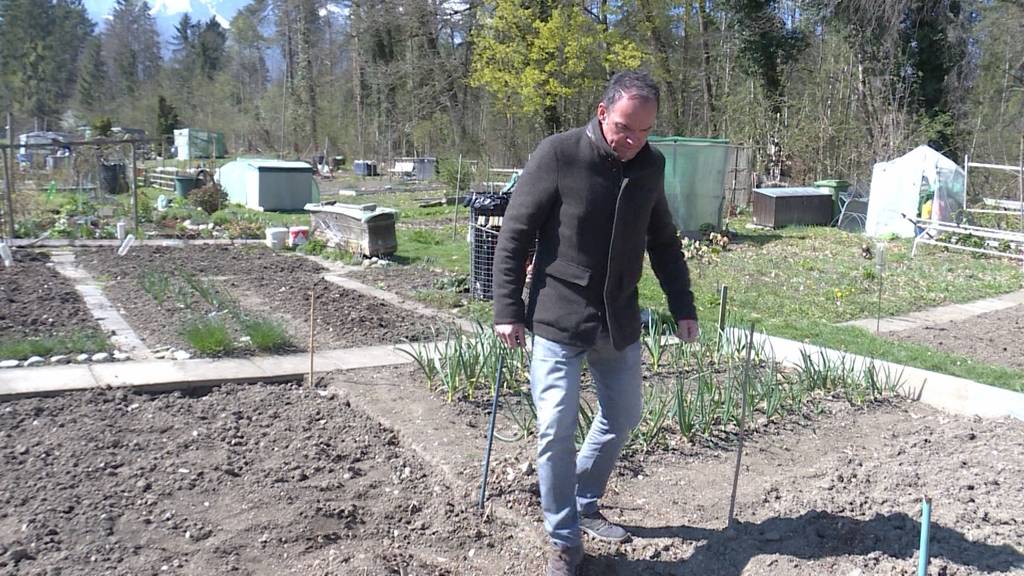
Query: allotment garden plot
x,y
41,313
221,299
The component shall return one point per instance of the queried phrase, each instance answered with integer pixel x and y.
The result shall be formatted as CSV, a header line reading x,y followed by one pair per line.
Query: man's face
x,y
627,124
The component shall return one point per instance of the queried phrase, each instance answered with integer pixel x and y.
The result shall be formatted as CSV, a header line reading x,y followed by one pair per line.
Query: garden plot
x,y
993,337
41,313
221,300
262,480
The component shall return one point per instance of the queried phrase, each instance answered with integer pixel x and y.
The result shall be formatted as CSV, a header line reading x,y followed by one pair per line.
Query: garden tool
x,y
490,428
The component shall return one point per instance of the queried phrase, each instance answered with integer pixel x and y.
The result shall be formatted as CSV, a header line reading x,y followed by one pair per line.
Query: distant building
x,y
190,143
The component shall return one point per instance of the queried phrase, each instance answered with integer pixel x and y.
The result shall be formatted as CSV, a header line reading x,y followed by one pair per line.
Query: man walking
x,y
593,200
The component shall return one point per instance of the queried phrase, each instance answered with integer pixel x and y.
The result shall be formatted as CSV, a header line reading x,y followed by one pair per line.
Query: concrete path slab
x,y
165,375
949,393
122,335
940,314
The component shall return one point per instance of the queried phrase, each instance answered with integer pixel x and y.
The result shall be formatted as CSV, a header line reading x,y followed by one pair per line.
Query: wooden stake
x,y
312,330
723,298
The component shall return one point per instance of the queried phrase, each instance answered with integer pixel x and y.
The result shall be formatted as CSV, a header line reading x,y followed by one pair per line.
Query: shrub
x,y
209,198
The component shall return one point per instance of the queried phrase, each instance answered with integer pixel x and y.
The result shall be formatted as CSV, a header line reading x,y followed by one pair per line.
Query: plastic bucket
x,y
183,185
298,235
276,237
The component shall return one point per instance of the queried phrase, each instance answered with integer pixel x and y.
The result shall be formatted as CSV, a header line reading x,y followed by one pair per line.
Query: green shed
x,y
696,171
268,184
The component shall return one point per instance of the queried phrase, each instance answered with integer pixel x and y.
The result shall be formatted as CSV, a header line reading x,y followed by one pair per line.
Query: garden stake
x,y
880,268
926,516
723,297
743,412
312,329
458,187
490,428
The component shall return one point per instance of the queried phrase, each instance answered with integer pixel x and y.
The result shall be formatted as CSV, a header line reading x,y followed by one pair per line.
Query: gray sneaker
x,y
599,527
565,561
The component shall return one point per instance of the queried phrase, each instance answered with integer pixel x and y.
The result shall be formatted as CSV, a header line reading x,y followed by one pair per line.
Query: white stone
x,y
34,360
119,356
162,355
181,355
9,364
82,358
100,357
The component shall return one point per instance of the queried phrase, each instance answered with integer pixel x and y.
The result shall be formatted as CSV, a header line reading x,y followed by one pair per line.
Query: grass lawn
x,y
796,282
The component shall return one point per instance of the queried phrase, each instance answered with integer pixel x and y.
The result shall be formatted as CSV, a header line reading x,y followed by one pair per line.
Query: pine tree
x,y
167,119
92,78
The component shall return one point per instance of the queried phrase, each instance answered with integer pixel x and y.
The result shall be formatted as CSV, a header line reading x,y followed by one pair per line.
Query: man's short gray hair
x,y
632,83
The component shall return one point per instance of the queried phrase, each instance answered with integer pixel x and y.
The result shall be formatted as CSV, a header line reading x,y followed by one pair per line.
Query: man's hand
x,y
512,335
687,330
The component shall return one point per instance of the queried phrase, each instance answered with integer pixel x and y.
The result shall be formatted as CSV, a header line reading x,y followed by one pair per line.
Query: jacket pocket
x,y
569,272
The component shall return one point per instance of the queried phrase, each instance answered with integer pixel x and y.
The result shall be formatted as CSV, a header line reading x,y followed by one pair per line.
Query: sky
x,y
168,12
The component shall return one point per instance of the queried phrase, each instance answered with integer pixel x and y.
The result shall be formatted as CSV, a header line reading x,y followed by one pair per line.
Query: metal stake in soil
x,y
880,268
490,428
312,329
926,517
743,414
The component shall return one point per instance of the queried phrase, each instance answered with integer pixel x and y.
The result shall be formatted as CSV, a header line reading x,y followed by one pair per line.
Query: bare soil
x,y
834,493
262,281
278,480
992,337
36,301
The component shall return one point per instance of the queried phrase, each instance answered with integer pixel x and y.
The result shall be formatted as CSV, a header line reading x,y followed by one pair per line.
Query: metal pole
x,y
490,427
926,518
135,195
1020,182
743,413
312,330
458,187
8,197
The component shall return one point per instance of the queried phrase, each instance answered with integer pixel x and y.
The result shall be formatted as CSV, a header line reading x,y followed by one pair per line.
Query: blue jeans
x,y
572,483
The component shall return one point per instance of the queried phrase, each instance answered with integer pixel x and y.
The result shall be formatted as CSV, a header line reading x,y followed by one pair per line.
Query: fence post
x,y
8,194
135,195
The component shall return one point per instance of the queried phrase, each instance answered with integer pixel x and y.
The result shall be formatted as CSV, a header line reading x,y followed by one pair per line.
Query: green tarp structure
x,y
695,176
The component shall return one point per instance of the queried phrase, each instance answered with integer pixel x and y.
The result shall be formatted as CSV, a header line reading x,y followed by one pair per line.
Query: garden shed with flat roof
x,y
268,184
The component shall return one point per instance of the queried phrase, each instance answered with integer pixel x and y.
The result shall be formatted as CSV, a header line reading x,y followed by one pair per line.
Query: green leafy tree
x,y
548,61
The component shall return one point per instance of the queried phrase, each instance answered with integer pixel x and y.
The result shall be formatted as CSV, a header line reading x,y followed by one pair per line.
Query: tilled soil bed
x,y
838,492
261,480
36,301
992,337
261,281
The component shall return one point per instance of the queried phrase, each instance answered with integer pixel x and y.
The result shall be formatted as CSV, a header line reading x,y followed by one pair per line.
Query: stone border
x,y
939,314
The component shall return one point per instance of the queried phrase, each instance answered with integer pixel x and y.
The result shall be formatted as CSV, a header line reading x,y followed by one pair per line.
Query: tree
x,y
92,78
551,61
39,47
167,119
210,48
132,44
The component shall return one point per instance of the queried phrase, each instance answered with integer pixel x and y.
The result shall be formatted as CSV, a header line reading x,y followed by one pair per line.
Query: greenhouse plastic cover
x,y
898,185
695,170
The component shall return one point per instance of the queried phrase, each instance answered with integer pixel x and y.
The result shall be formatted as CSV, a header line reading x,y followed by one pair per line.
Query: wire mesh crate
x,y
486,212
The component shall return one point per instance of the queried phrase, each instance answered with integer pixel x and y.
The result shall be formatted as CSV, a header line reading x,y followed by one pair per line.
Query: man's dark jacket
x,y
593,216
